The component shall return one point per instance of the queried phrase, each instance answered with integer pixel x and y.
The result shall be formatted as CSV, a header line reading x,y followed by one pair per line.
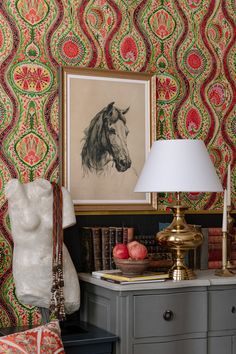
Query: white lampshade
x,y
181,165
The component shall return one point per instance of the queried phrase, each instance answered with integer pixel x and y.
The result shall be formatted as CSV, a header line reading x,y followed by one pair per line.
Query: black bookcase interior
x,y
142,223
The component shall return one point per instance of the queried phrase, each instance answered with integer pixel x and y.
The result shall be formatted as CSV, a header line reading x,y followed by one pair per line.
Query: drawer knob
x,y
168,315
233,309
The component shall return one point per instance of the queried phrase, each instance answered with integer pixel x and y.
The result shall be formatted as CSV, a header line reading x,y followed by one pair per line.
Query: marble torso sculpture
x,y
31,216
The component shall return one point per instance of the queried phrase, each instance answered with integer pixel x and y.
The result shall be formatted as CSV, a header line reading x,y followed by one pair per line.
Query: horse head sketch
x,y
106,140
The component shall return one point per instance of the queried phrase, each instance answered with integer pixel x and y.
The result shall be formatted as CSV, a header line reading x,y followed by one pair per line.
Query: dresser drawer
x,y
220,345
170,314
193,346
222,310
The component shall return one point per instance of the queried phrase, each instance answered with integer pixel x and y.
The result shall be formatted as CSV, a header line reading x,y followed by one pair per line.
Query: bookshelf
x,y
142,223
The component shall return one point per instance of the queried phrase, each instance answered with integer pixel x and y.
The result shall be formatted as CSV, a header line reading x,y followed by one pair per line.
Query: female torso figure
x,y
31,216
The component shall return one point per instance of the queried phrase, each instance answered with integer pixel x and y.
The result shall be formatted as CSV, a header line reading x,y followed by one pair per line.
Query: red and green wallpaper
x,y
189,44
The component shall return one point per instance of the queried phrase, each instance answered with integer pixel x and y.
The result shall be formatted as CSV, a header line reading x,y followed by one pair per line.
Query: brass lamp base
x,y
179,271
180,237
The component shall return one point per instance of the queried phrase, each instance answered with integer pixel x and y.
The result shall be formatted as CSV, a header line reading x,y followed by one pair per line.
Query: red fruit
x,y
137,250
132,243
120,251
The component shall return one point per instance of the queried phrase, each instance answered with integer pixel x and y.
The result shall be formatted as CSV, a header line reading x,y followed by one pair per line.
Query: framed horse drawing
x,y
107,128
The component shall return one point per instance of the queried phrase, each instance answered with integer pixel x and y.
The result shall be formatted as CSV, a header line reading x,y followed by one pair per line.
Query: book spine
x,y
214,264
110,280
149,241
125,235
86,250
215,255
130,234
105,248
214,239
162,256
112,242
233,255
97,248
214,246
215,231
118,235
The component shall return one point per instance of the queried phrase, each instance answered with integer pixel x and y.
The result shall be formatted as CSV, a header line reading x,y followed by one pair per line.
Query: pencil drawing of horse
x,y
105,141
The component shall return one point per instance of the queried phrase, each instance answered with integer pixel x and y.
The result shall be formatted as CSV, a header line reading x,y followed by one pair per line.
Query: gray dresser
x,y
194,316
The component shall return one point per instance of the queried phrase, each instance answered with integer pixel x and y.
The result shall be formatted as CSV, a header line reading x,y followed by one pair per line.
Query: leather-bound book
x,y
105,236
119,235
86,250
112,242
128,234
97,248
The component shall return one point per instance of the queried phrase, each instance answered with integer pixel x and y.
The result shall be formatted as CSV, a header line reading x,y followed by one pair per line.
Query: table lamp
x,y
181,165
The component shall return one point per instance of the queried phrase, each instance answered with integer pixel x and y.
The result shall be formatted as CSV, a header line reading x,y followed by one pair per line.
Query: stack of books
x,y
97,243
117,277
161,259
214,247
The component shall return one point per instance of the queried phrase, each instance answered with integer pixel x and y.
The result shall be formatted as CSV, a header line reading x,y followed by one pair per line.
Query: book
x,y
150,242
212,239
105,247
119,277
233,255
128,234
132,282
215,231
215,264
214,246
161,256
98,274
233,246
112,242
86,250
118,235
97,248
215,255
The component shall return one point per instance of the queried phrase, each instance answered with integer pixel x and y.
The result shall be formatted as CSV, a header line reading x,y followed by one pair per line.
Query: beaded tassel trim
x,y
57,303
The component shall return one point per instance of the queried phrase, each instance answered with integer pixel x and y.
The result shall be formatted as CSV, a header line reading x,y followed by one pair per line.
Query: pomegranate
x,y
120,251
132,243
137,250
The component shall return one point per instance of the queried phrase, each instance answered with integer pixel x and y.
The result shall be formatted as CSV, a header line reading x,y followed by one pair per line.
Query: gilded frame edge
x,y
107,208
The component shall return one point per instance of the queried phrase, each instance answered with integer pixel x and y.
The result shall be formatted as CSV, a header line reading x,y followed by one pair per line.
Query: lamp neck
x,y
178,198
179,210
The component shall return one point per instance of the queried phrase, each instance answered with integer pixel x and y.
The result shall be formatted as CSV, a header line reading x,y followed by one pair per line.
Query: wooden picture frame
x,y
121,108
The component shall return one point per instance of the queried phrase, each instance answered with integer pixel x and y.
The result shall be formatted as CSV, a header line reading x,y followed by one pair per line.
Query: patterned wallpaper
x,y
189,44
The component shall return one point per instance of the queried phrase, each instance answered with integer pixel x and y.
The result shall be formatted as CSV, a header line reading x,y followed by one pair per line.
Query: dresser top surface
x,y
204,278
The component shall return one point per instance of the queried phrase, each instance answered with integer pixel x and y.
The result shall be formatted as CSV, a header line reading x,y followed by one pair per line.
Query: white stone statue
x,y
31,217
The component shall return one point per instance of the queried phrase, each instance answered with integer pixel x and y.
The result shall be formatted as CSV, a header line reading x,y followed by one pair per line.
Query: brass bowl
x,y
132,267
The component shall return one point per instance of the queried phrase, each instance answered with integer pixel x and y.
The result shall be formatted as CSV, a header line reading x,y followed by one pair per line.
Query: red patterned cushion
x,y
44,339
